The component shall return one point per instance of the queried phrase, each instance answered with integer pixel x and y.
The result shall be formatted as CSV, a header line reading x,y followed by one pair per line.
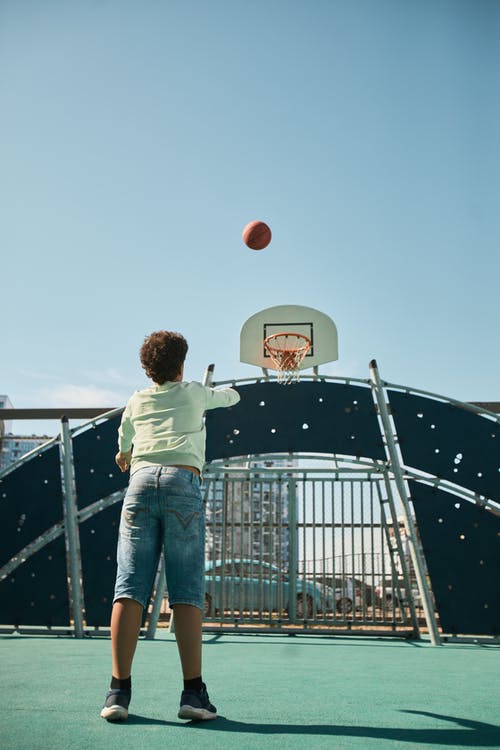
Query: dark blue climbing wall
x,y
448,441
35,593
461,543
96,472
98,476
30,502
307,417
98,537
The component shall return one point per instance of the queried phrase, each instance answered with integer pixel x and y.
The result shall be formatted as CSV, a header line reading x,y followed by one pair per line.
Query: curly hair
x,y
162,355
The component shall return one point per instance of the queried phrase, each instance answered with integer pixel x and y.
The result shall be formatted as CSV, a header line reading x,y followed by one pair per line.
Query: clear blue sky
x,y
137,139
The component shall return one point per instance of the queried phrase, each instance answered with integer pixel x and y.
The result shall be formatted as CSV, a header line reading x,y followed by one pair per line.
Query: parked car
x,y
393,593
347,594
253,585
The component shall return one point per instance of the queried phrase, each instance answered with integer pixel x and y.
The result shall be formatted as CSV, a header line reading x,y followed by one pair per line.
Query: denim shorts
x,y
162,510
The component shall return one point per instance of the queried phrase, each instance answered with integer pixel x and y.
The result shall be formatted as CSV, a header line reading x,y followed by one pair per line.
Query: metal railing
x,y
300,550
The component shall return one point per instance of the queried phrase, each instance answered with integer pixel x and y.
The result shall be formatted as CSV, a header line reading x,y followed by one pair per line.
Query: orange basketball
x,y
257,235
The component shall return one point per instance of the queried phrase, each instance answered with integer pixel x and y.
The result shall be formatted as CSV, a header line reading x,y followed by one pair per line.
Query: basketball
x,y
256,235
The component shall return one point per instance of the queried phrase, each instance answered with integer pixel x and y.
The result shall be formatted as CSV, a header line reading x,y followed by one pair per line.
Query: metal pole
x,y
293,553
71,531
208,377
395,465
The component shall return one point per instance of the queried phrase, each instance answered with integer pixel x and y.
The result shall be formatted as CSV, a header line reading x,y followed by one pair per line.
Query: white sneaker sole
x,y
195,714
114,713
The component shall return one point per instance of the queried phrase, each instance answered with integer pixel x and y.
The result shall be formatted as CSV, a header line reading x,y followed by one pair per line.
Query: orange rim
x,y
284,356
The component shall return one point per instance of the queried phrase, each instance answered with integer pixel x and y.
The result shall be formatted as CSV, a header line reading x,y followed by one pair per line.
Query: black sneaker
x,y
196,705
116,705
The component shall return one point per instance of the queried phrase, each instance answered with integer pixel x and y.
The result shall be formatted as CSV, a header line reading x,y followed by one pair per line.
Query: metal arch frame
x,y
267,379
96,420
454,489
26,552
341,462
401,472
392,466
466,405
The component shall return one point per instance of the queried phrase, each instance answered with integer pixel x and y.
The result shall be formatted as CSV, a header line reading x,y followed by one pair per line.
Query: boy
x,y
162,439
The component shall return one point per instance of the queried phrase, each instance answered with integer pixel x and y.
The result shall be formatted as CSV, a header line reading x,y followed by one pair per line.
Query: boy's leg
x,y
195,703
188,635
137,557
126,621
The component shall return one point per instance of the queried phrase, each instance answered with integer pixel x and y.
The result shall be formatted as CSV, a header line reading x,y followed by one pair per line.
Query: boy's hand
x,y
123,460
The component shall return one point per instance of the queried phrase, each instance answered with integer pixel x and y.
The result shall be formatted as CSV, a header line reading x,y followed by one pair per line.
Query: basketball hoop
x,y
287,350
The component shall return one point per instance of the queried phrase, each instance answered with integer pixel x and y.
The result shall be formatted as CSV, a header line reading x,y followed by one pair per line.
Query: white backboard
x,y
318,327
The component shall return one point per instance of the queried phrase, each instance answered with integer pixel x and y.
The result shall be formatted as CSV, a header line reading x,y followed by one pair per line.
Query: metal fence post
x,y
71,531
397,471
293,563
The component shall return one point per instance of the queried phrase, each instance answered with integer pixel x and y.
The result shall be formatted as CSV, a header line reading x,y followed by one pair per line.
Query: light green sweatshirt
x,y
164,424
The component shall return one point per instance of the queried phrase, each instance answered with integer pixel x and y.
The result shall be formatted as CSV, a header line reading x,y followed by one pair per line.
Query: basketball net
x,y
287,350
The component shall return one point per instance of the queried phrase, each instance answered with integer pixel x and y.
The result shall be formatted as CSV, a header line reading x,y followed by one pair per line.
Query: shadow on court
x,y
470,734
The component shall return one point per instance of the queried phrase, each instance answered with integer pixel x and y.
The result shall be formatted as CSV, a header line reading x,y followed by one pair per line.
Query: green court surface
x,y
271,691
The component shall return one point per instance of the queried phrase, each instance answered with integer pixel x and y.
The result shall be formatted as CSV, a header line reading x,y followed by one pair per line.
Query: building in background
x,y
12,447
15,446
248,519
5,427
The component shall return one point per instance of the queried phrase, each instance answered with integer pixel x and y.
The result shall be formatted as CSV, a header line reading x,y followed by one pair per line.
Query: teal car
x,y
249,586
